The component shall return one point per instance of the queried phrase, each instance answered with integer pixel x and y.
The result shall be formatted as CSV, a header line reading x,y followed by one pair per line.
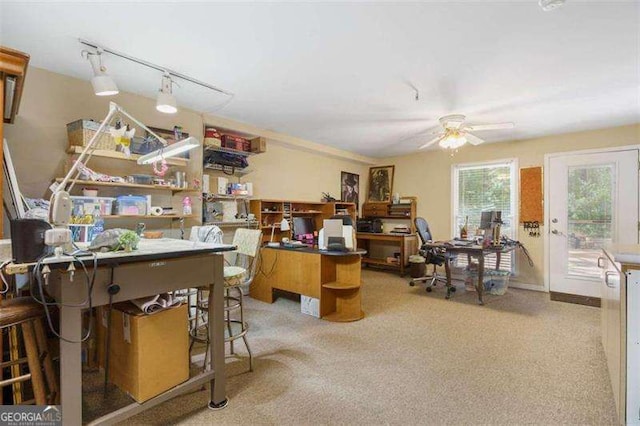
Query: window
x,y
482,187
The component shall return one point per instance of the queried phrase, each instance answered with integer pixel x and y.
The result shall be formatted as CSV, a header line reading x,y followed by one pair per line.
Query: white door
x,y
593,201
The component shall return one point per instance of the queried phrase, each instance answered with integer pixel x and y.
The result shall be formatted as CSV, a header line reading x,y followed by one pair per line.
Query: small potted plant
x,y
128,241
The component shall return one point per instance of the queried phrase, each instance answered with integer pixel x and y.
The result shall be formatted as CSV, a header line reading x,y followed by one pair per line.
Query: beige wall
x,y
291,167
427,175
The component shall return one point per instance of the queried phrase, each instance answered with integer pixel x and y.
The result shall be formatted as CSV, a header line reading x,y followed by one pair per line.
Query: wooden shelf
x,y
235,223
180,162
383,262
306,213
164,216
334,285
273,212
229,151
226,197
128,185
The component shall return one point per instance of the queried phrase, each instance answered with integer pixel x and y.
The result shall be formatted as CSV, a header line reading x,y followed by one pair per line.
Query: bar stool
x,y
236,277
25,314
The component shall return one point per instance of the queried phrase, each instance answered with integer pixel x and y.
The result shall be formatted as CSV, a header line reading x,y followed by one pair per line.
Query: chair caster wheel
x,y
429,289
453,289
411,283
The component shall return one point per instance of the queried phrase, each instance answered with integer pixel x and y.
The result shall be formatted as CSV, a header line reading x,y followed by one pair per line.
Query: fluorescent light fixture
x,y
453,141
103,84
166,101
169,151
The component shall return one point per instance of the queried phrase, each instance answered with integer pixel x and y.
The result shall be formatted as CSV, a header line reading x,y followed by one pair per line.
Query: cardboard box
x,y
310,306
149,354
259,144
236,143
218,185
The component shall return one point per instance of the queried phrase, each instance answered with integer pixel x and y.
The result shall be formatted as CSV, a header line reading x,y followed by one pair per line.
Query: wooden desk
x,y
407,245
331,277
158,266
476,251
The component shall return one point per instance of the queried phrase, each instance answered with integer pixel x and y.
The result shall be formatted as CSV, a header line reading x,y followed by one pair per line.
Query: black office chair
x,y
433,256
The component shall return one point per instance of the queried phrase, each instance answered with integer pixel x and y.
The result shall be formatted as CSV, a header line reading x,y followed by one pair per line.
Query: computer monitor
x,y
489,219
303,228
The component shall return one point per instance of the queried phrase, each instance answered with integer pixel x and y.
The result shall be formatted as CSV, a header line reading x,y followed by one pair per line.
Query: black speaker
x,y
27,239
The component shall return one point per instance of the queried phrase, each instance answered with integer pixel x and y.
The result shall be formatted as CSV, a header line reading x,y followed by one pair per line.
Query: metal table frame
x,y
181,264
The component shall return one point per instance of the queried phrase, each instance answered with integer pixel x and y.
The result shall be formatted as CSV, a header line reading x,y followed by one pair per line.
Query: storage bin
x,y
498,281
131,205
143,146
86,205
471,277
80,133
142,179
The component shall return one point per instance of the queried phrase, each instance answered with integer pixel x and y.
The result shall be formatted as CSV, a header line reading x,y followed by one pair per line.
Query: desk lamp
x,y
60,204
284,226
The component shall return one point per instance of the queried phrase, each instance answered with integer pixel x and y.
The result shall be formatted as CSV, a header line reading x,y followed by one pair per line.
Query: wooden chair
x,y
26,315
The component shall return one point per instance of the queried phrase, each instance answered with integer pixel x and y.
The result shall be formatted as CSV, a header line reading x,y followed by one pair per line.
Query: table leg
x,y
216,336
447,270
498,257
480,286
71,365
402,244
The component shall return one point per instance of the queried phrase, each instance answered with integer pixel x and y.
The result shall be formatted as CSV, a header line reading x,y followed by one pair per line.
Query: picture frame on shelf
x,y
171,136
350,188
380,183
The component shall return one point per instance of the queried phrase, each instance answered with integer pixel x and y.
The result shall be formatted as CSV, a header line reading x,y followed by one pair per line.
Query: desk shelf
x,y
343,317
341,286
117,155
128,185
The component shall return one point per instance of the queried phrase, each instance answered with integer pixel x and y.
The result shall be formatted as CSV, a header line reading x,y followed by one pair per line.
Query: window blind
x,y
480,188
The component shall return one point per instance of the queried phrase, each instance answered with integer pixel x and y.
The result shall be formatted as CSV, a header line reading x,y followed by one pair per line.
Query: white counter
x,y
625,253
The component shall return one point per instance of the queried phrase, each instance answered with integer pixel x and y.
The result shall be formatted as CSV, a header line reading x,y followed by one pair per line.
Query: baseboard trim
x,y
574,298
526,286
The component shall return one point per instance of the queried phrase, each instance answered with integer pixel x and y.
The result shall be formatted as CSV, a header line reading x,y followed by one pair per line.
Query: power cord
x,y
42,275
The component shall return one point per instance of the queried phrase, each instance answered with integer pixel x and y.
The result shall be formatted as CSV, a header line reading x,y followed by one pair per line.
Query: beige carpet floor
x,y
416,358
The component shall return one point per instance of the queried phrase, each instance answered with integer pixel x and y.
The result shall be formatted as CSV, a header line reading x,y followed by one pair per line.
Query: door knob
x,y
555,231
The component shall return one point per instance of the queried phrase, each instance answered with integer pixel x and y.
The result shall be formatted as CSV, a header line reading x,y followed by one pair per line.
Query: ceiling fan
x,y
456,133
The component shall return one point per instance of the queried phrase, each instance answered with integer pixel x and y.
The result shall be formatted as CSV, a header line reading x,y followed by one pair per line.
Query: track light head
x,y
166,101
103,84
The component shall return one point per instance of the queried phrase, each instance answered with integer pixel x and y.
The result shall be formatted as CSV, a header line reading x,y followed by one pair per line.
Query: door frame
x,y
545,174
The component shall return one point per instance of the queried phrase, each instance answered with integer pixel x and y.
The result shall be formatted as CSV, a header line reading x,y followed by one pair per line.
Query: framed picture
x,y
380,183
169,136
350,188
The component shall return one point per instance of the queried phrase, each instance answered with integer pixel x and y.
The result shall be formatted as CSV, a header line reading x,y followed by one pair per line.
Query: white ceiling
x,y
338,73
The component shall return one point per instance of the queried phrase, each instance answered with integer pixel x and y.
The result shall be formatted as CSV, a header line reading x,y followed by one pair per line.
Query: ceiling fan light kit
x,y
455,133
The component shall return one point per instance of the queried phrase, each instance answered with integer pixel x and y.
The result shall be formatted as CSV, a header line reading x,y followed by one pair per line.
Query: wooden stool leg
x,y
45,356
14,355
33,360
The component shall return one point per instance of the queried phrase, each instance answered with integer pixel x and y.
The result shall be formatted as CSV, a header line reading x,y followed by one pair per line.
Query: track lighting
x,y
166,101
103,84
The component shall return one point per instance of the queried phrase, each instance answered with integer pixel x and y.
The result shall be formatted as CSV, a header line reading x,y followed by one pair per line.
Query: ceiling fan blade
x,y
473,139
431,142
497,126
422,133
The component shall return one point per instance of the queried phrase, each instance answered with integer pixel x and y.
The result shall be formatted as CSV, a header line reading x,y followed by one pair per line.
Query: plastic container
x,y
86,205
131,205
471,277
498,282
